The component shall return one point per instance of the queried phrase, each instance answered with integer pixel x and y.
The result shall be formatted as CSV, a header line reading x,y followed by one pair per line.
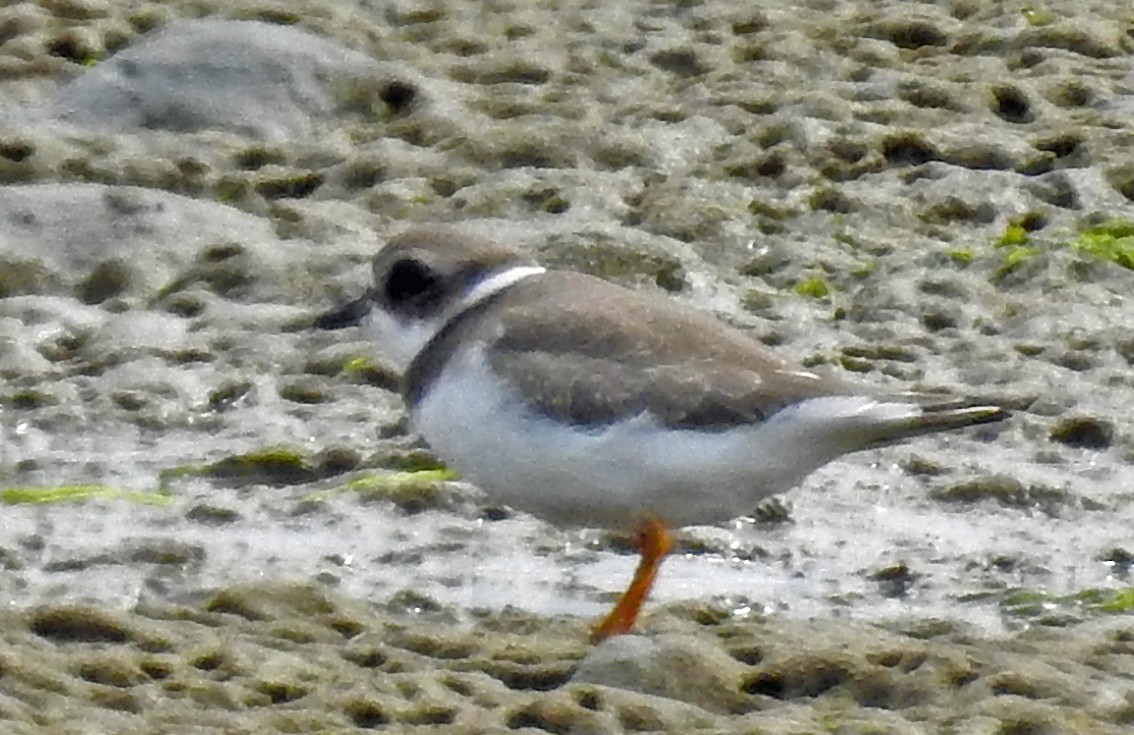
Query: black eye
x,y
409,280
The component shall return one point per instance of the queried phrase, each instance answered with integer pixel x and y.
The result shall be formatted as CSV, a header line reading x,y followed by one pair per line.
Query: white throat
x,y
402,341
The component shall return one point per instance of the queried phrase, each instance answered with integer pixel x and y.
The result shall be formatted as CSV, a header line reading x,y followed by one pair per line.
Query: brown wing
x,y
597,352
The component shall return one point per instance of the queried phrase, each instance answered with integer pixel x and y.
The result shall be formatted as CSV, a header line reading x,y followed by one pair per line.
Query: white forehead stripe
x,y
495,284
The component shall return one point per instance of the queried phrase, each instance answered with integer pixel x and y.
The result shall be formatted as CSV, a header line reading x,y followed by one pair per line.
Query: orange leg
x,y
654,541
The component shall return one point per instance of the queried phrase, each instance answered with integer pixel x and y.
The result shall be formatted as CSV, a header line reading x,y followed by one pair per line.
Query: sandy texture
x,y
291,659
928,194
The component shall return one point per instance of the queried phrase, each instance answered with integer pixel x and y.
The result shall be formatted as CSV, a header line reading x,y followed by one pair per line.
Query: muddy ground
x,y
214,519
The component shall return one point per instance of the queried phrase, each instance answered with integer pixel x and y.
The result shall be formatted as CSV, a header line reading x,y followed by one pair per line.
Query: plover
x,y
586,403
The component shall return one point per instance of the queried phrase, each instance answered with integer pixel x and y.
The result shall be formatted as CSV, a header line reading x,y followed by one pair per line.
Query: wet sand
x,y
202,529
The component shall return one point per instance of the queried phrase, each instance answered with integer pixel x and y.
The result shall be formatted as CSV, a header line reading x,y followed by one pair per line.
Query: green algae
x,y
1016,248
412,492
1118,601
380,483
78,494
815,287
407,460
1015,234
276,465
358,365
1037,16
1045,608
283,465
272,465
1112,241
1015,256
960,256
365,369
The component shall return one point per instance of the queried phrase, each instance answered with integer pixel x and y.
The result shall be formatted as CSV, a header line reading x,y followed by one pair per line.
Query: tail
x,y
848,423
817,430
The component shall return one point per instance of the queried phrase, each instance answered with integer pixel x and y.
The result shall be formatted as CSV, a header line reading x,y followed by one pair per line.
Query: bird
x,y
586,403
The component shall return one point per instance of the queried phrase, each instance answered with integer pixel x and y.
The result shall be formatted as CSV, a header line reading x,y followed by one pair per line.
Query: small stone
x,y
673,665
166,552
1084,432
212,515
923,466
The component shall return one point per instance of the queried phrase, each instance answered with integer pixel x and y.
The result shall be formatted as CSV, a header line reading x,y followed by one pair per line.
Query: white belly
x,y
615,475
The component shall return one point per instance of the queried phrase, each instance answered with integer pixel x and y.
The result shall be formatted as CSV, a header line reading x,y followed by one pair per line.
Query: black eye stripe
x,y
409,280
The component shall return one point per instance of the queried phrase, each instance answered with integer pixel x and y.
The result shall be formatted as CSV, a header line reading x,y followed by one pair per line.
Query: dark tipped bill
x,y
348,315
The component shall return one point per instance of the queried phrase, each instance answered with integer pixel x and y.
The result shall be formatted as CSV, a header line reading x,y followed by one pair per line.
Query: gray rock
x,y
265,81
97,241
673,665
